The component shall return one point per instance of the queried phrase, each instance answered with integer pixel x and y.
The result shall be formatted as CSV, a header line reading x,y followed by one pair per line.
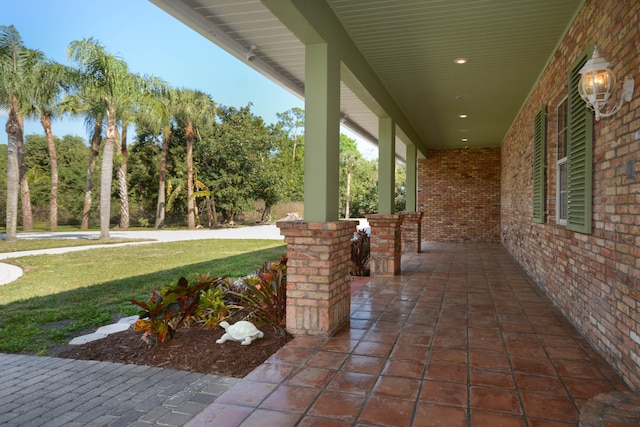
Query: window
x,y
561,165
579,155
539,142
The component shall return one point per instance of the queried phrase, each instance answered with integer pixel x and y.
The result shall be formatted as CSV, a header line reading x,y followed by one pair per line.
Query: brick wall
x,y
593,278
459,194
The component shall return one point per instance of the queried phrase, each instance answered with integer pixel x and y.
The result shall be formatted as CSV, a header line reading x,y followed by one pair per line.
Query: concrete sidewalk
x,y
10,273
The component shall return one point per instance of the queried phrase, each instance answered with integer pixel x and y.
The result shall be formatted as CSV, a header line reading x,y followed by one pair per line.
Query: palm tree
x,y
51,79
107,77
16,63
349,159
156,113
193,108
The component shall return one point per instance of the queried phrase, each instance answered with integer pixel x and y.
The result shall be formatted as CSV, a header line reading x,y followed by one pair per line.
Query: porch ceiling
x,y
410,45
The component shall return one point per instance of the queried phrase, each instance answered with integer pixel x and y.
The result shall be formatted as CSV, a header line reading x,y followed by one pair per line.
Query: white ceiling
x,y
411,46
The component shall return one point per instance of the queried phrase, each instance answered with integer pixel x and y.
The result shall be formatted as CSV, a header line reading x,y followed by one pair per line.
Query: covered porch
x,y
461,337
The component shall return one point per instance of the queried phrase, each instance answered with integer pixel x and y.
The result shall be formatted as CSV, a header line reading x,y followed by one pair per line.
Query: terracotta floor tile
x,y
332,404
270,373
311,377
306,342
535,422
352,382
572,352
516,327
509,336
387,412
486,360
380,336
428,415
349,334
326,359
448,355
409,351
364,364
309,421
370,348
493,399
549,407
290,355
540,384
404,368
495,419
586,388
385,325
444,393
290,398
446,372
397,388
221,415
415,339
247,393
339,344
491,378
491,345
459,342
528,349
578,369
533,365
484,333
264,417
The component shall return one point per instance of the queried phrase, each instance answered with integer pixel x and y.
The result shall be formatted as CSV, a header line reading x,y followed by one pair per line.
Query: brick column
x,y
386,244
411,232
318,281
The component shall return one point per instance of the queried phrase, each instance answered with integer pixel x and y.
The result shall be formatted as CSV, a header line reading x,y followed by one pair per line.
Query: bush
x,y
360,254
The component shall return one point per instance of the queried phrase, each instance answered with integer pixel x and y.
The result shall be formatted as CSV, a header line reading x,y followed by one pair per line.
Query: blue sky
x,y
151,42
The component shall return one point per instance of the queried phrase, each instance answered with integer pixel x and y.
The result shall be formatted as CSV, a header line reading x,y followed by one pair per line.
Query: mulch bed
x,y
193,349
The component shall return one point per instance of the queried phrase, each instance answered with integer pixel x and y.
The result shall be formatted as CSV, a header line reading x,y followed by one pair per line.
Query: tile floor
x,y
462,338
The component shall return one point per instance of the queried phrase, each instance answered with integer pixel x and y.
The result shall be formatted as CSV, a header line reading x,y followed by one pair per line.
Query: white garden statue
x,y
244,332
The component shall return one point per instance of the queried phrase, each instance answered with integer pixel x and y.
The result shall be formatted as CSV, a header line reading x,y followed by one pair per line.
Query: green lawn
x,y
61,295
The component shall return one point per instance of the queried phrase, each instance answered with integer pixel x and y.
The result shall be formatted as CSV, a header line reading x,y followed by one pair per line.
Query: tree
x,y
193,108
349,158
108,78
50,80
157,114
16,78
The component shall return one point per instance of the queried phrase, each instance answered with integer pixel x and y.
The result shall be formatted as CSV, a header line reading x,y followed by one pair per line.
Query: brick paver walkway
x,y
49,391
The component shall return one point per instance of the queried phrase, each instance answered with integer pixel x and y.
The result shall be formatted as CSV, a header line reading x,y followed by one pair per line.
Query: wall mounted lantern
x,y
597,82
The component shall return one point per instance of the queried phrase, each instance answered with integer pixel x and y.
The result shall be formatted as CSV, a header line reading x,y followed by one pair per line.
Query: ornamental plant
x,y
165,311
360,254
266,299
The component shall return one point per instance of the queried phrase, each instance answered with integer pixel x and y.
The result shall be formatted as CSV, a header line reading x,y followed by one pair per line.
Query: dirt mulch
x,y
192,349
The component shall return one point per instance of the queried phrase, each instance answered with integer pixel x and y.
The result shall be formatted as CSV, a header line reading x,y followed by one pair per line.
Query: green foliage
x,y
165,311
266,300
214,307
360,254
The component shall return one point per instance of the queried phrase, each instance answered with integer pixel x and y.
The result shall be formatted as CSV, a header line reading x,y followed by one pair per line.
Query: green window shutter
x,y
539,142
579,156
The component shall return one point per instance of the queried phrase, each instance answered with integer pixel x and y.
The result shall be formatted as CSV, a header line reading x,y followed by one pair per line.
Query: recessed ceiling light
x,y
463,116
464,139
461,61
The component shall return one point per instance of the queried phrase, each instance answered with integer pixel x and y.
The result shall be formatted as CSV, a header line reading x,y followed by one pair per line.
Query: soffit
x,y
411,46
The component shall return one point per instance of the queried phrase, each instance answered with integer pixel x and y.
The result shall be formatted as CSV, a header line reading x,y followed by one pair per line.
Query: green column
x,y
322,133
412,162
386,165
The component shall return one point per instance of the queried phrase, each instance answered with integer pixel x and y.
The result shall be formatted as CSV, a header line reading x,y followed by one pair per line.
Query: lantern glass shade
x,y
596,85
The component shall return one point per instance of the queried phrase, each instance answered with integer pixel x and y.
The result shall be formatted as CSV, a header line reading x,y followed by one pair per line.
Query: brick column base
x,y
386,244
411,232
318,281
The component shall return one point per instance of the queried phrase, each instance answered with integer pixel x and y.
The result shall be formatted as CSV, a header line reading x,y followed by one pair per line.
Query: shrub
x,y
165,311
266,299
360,253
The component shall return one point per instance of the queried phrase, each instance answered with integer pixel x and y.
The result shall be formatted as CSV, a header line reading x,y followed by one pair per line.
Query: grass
x,y
60,296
